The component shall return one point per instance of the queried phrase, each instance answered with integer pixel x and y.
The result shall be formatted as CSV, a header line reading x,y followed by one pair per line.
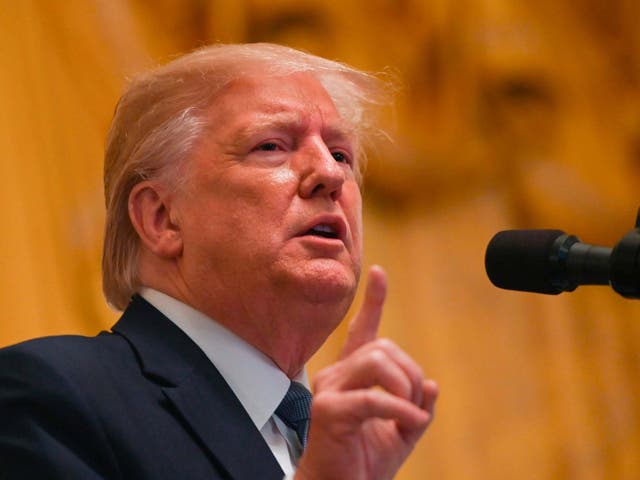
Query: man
x,y
233,244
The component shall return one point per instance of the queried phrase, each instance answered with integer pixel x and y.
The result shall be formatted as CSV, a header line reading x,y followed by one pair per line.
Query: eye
x,y
341,157
267,147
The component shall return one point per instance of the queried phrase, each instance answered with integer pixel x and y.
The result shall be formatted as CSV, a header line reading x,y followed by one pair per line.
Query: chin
x,y
327,282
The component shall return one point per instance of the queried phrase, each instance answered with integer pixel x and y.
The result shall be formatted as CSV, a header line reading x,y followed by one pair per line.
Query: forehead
x,y
297,98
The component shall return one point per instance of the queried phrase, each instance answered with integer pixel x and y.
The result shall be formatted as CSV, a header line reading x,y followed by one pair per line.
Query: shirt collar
x,y
254,378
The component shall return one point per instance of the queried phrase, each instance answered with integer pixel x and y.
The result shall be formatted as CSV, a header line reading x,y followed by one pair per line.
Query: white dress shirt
x,y
254,378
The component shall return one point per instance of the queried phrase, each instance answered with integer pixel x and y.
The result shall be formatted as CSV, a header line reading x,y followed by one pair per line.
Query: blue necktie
x,y
295,410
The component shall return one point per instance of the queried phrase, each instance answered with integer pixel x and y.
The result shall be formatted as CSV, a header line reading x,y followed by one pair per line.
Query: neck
x,y
289,332
287,321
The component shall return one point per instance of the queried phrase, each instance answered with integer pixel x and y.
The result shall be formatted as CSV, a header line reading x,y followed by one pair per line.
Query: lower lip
x,y
322,242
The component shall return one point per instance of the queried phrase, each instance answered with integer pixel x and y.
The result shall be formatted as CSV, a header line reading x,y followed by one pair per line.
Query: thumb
x,y
364,326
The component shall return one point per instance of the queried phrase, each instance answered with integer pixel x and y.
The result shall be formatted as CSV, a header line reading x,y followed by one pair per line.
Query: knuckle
x,y
377,359
370,398
386,343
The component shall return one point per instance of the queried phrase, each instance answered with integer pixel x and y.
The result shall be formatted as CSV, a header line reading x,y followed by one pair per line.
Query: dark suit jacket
x,y
143,402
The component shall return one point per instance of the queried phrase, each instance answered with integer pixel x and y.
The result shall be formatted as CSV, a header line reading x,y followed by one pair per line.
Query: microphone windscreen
x,y
520,260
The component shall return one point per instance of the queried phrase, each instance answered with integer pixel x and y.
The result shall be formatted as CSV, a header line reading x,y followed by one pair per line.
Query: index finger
x,y
364,326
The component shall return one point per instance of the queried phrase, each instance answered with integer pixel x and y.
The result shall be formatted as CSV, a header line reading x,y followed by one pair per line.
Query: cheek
x,y
253,217
353,211
357,230
282,177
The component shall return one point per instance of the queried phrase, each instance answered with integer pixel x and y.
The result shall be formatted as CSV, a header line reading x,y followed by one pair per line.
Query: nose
x,y
321,174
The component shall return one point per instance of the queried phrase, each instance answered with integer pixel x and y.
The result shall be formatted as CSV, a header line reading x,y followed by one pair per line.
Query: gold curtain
x,y
513,115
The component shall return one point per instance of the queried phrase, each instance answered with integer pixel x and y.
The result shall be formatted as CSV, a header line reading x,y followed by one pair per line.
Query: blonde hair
x,y
162,113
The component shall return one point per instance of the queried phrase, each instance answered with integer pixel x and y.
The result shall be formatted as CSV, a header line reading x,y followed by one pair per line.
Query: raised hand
x,y
369,408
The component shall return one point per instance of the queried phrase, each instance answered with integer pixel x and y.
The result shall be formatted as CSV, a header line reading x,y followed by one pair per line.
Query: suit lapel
x,y
214,415
198,392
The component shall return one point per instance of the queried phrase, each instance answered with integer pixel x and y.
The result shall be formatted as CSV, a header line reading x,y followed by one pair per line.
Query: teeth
x,y
323,230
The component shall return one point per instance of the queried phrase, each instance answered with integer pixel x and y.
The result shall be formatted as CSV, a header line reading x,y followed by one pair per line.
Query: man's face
x,y
272,204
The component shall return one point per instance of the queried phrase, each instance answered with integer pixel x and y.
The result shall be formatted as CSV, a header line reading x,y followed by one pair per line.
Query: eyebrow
x,y
292,122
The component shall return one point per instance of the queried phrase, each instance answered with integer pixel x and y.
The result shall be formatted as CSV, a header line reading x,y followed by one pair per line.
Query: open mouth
x,y
324,231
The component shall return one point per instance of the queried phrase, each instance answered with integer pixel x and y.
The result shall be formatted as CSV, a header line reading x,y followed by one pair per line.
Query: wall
x,y
512,115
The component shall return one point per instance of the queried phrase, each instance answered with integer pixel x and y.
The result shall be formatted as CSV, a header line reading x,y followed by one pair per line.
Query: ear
x,y
151,216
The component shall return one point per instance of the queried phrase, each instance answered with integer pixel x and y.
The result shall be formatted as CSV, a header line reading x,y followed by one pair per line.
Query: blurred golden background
x,y
513,114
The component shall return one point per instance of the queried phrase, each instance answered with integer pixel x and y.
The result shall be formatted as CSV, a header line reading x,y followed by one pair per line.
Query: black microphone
x,y
551,262
545,261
